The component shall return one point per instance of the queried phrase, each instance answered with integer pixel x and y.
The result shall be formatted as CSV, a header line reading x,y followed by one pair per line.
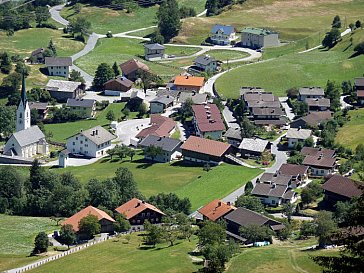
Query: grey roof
x,y
234,133
272,190
80,103
311,91
318,102
262,104
259,96
279,121
62,86
279,179
245,217
166,143
247,89
253,144
58,61
154,46
359,81
258,31
289,194
205,59
197,98
98,135
318,151
225,29
137,94
166,100
28,136
268,111
298,133
38,105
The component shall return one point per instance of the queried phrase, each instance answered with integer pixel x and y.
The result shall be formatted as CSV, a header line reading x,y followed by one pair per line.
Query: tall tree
x,y
5,63
7,120
103,73
52,47
325,226
67,235
332,92
41,243
116,69
250,202
169,22
331,38
76,76
89,226
42,14
153,151
124,181
80,25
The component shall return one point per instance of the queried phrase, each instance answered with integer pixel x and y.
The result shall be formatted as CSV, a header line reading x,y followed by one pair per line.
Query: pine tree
x,y
169,22
115,67
52,47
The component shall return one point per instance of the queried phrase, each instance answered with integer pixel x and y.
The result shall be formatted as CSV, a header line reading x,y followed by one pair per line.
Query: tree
x,y
7,120
296,159
211,233
359,48
307,229
248,129
157,37
185,111
212,7
186,12
325,226
254,233
248,188
76,76
116,69
77,8
288,210
153,235
153,151
125,112
79,25
42,14
111,152
169,233
5,63
102,193
110,115
12,191
336,23
171,202
147,79
41,243
131,153
169,22
67,235
218,255
121,224
332,92
250,202
103,73
347,87
309,142
21,68
125,185
142,110
311,192
358,24
89,226
331,38
184,226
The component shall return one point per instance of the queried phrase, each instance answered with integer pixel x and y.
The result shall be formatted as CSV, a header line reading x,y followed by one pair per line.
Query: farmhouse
x,y
93,142
63,90
322,104
274,194
37,56
298,173
319,165
58,66
105,220
312,119
207,121
206,63
189,83
297,135
41,107
85,107
338,188
116,86
138,211
202,150
254,147
160,126
222,34
359,87
170,148
216,210
131,68
258,38
310,93
160,104
153,51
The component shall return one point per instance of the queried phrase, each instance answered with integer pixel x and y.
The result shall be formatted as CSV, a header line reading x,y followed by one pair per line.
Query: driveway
x,y
301,218
286,107
130,128
229,118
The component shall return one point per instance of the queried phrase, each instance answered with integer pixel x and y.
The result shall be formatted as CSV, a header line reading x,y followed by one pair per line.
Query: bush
x,y
80,38
109,34
47,25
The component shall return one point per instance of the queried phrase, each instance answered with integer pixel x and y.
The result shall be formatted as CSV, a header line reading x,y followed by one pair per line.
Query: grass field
x,y
120,257
351,134
292,21
297,70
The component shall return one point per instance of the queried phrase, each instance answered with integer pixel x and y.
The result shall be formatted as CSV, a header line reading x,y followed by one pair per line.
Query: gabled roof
x,y
204,59
216,209
311,91
28,136
317,151
273,190
160,126
343,186
254,144
322,102
165,100
263,104
121,80
234,133
205,146
223,28
316,118
97,135
155,46
166,143
245,217
88,103
189,81
259,96
293,169
279,179
135,206
132,66
298,133
268,111
360,93
250,89
37,51
319,161
62,86
38,105
197,98
208,117
58,61
75,219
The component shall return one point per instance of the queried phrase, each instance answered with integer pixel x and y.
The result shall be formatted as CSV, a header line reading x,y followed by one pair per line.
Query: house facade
x,y
310,93
154,51
64,90
222,35
207,121
359,87
84,107
257,38
160,104
41,108
189,84
319,165
297,135
254,147
318,104
274,194
116,86
58,66
170,148
206,63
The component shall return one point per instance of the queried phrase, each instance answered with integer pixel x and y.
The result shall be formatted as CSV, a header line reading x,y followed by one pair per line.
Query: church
x,y
28,140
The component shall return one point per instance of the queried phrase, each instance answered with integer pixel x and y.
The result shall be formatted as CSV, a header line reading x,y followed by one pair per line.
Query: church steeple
x,y
23,111
23,91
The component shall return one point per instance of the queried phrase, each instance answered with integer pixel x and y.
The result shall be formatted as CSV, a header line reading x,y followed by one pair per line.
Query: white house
x,y
58,66
91,143
258,38
295,135
222,35
274,194
310,93
63,159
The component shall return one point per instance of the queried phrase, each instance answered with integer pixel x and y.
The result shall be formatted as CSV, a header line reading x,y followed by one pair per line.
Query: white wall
x,y
79,144
62,71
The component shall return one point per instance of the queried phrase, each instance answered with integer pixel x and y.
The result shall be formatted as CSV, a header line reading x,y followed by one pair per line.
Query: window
x,y
74,143
20,115
76,138
86,140
273,202
81,142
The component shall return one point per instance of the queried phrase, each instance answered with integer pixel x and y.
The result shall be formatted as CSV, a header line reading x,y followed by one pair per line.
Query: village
x,y
167,146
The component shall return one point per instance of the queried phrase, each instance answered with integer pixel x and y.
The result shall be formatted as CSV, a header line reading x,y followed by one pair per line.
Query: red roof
x,y
216,209
189,81
208,117
360,93
133,65
342,186
205,146
75,219
160,126
134,207
319,161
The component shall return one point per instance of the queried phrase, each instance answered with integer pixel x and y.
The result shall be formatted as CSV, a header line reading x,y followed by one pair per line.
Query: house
x,y
222,34
278,179
257,38
207,121
63,158
131,68
170,148
63,90
136,98
202,150
310,93
254,147
268,116
242,217
189,84
216,210
312,119
195,97
359,87
160,126
322,104
37,56
116,86
28,140
41,107
312,151
159,104
154,51
138,211
255,97
298,173
93,142
206,63
295,135
338,188
105,220
274,194
58,66
319,165
250,90
84,107
233,136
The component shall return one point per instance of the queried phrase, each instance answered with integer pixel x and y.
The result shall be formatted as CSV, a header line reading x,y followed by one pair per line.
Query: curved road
x,y
56,16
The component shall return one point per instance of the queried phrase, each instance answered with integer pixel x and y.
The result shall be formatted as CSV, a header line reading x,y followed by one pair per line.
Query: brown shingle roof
x,y
160,126
205,146
269,111
134,207
215,210
319,161
315,118
132,66
317,151
208,118
343,186
318,102
279,179
360,93
293,170
272,190
122,81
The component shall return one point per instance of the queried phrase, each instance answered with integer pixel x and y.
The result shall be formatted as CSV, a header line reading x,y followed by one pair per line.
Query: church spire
x,y
23,91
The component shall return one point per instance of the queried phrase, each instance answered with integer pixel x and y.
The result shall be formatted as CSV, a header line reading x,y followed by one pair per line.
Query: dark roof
x,y
359,81
273,190
318,102
247,89
258,96
208,118
132,66
343,186
234,133
205,146
279,121
268,112
311,91
244,217
58,61
37,51
81,103
166,100
216,209
38,105
121,80
197,98
293,169
154,46
317,151
279,179
225,29
166,143
319,161
262,104
205,59
316,118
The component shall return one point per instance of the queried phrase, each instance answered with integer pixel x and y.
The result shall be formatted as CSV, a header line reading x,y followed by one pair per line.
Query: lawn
x,y
223,55
351,134
119,257
296,70
292,21
23,42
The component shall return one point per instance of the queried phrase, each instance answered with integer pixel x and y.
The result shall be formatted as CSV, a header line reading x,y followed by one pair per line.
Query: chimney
x,y
228,203
96,132
219,204
299,128
93,132
273,185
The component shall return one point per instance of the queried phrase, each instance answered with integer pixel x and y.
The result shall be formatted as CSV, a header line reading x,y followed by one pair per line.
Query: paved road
x,y
55,14
286,107
301,218
229,118
130,128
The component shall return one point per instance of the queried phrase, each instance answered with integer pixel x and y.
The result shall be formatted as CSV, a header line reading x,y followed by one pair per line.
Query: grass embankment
x,y
351,134
297,70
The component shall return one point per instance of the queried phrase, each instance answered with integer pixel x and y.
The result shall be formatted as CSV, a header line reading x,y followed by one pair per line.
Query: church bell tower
x,y
23,111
